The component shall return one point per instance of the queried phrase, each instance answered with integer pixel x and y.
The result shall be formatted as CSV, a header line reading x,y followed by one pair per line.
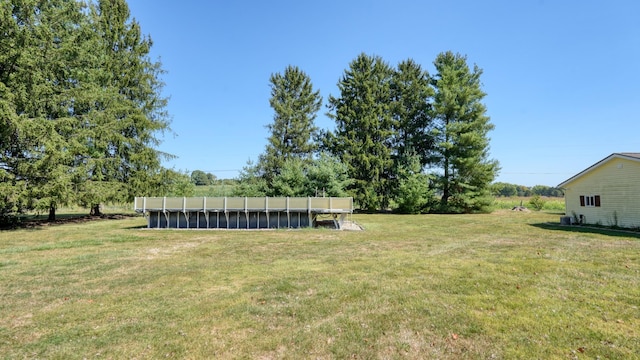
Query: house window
x,y
590,200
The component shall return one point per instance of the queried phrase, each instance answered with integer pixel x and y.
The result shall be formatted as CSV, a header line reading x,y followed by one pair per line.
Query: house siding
x,y
617,181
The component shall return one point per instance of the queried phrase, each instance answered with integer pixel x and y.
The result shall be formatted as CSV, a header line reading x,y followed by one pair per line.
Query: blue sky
x,y
562,77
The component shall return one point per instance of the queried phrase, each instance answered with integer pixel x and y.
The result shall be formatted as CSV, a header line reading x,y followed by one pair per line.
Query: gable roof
x,y
627,155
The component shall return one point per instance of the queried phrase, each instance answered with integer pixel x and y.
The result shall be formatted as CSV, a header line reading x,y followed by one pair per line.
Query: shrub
x,y
537,202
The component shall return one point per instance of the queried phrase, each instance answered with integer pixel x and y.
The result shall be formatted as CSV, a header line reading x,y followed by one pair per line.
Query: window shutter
x,y
597,197
581,200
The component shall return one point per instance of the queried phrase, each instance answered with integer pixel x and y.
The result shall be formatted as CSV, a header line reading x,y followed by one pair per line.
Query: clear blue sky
x,y
562,77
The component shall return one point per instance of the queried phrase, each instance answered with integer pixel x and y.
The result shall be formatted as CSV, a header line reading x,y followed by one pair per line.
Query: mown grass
x,y
504,285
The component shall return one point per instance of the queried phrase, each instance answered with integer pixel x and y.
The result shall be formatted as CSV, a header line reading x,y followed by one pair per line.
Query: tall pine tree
x,y
38,80
413,142
295,104
462,144
412,95
364,129
128,111
15,26
80,103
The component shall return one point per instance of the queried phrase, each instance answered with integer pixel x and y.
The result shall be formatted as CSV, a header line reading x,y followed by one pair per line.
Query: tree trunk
x,y
95,210
445,184
52,213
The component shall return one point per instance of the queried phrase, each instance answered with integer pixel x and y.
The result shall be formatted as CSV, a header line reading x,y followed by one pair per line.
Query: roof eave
x,y
628,156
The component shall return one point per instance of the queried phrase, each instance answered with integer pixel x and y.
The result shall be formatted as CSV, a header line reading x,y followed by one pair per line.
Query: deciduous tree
x,y
199,177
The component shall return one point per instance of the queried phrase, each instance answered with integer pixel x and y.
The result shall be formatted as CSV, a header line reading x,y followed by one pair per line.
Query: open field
x,y
550,203
215,190
499,286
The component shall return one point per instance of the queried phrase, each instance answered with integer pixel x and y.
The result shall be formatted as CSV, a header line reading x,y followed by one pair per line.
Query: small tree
x,y
250,181
291,180
537,202
327,176
413,194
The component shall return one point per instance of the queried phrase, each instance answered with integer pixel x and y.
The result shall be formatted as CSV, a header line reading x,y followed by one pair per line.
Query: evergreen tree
x,y
413,141
291,180
80,103
128,110
413,193
38,81
14,24
412,95
462,145
295,104
327,176
364,129
322,176
250,181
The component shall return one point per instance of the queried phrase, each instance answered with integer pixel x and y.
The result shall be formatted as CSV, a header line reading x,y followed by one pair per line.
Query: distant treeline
x,y
201,178
506,189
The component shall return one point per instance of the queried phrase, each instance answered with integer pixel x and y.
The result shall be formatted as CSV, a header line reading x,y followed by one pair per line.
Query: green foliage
x,y
364,129
327,176
537,202
552,204
321,176
550,191
80,105
200,178
413,195
178,184
461,127
295,104
251,182
290,180
226,187
411,95
506,189
383,114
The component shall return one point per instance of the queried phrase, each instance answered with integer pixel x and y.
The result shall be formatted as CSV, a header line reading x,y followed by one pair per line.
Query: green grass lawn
x,y
498,286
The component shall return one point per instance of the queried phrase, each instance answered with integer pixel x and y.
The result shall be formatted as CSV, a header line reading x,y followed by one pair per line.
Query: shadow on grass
x,y
37,223
588,230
